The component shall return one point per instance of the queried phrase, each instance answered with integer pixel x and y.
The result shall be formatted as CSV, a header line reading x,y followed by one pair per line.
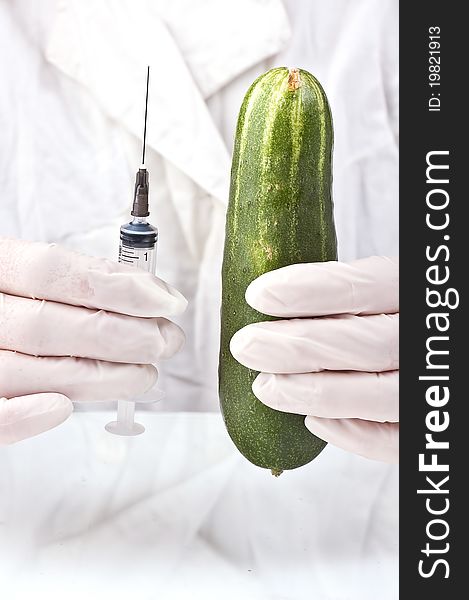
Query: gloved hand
x,y
335,358
76,328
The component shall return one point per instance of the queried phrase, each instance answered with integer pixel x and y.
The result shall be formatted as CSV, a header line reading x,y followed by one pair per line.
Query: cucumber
x,y
280,212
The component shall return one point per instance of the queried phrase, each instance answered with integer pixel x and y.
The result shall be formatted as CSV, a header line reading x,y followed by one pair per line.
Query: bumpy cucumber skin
x,y
280,212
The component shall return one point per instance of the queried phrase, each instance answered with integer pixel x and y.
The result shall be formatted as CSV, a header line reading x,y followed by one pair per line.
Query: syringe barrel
x,y
137,248
138,242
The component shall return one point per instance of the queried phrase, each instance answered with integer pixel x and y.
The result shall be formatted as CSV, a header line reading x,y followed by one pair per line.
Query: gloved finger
x,y
44,328
362,287
26,416
80,379
50,272
332,394
378,441
343,343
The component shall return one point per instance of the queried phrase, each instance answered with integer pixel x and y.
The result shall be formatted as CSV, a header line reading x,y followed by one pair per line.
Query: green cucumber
x,y
280,212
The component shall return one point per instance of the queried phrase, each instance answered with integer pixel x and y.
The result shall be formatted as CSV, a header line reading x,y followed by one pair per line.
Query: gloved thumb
x,y
22,417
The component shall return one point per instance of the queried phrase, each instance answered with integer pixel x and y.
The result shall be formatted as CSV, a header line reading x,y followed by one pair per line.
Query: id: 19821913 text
x,y
434,68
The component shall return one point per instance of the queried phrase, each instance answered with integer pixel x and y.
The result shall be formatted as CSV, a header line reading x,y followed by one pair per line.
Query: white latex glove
x,y
341,369
76,328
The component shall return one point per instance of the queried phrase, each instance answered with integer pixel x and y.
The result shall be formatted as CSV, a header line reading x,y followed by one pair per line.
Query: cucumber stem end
x,y
294,80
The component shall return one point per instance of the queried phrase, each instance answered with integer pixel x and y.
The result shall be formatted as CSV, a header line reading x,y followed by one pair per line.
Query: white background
x,y
178,513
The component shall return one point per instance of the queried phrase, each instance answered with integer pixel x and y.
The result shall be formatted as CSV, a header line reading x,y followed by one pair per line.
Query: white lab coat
x,y
178,513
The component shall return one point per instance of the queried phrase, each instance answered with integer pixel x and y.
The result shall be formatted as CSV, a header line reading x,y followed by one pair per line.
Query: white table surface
x,y
179,513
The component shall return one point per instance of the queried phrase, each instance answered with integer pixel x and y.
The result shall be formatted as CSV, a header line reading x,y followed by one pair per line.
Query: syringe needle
x,y
145,124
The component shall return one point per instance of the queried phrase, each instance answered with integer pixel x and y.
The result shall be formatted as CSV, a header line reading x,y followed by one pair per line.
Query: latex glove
x,y
341,369
76,328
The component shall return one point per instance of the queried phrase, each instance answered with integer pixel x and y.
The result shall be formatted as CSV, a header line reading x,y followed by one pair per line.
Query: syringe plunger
x,y
125,424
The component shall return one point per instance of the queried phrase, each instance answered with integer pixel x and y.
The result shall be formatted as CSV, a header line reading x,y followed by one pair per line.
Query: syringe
x,y
138,240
